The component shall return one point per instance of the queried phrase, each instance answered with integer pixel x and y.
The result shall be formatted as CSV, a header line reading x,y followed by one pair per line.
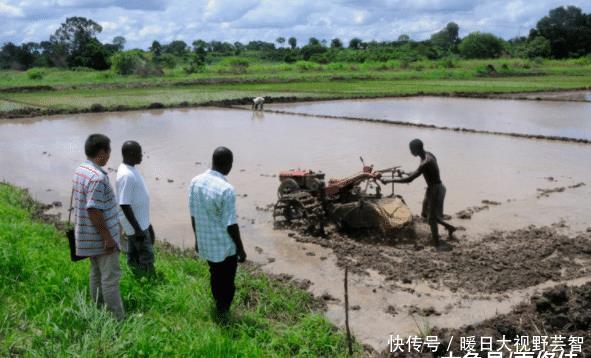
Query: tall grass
x,y
45,309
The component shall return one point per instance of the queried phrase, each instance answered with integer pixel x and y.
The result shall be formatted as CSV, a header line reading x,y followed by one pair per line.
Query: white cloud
x,y
227,10
142,21
8,10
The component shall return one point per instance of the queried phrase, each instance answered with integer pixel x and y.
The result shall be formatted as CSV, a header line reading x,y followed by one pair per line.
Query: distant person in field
x,y
212,203
435,194
96,226
258,103
134,216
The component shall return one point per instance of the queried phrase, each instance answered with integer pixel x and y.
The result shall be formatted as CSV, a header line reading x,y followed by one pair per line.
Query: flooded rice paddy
x,y
546,118
42,153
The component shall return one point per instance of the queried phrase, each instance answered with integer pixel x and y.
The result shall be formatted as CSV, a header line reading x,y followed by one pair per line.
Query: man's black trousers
x,y
222,276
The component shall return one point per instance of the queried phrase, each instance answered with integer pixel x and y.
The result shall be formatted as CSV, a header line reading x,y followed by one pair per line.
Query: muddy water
x,y
178,144
549,118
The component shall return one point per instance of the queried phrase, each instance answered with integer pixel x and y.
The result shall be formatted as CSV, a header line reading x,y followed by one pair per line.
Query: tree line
x,y
564,33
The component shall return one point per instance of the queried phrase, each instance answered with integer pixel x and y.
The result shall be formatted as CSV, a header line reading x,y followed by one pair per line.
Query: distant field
x,y
307,70
77,91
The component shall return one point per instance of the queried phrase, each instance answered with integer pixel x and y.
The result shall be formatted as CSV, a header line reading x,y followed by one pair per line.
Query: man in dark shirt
x,y
435,194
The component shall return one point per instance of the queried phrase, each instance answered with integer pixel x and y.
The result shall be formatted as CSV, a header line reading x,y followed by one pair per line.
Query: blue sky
x,y
141,21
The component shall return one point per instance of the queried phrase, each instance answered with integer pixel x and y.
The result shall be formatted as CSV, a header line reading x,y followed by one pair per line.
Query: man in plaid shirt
x,y
212,203
97,227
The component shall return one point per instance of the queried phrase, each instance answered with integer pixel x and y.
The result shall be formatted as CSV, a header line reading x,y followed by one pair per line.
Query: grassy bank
x,y
62,91
45,309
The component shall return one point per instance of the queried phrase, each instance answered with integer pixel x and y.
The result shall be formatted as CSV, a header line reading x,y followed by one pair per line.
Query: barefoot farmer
x,y
435,194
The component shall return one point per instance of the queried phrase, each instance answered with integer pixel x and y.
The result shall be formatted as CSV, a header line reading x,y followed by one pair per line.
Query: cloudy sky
x,y
141,21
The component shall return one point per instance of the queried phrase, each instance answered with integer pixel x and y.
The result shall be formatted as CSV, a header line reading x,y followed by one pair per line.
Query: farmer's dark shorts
x,y
433,202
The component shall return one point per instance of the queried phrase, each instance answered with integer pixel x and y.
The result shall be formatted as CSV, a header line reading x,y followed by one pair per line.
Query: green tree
x,y
355,43
76,39
313,41
93,55
448,38
196,62
19,57
280,40
336,43
166,60
125,62
403,38
314,47
239,46
200,45
538,47
481,45
568,29
119,42
177,48
293,42
156,48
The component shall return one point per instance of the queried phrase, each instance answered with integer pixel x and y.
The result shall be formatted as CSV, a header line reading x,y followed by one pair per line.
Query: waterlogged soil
x,y
552,119
496,263
559,311
574,96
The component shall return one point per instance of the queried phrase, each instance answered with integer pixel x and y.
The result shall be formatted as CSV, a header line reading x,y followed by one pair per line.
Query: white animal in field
x,y
258,103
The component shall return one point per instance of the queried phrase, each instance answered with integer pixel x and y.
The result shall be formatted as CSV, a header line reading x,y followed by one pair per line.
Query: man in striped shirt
x,y
97,226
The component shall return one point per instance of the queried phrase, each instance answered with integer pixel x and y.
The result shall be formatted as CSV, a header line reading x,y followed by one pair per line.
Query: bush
x,y
304,66
125,62
321,58
448,63
134,62
347,55
290,57
583,61
481,45
36,73
337,66
106,75
538,47
486,70
82,69
168,60
196,64
380,66
418,67
404,63
148,69
234,65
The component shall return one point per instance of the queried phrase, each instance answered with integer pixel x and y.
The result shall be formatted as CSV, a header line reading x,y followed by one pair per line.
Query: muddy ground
x,y
560,311
496,263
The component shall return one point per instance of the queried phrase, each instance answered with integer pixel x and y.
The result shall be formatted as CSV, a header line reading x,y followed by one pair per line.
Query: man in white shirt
x,y
212,203
134,216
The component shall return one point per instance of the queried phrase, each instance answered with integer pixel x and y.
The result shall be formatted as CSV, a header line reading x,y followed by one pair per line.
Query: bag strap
x,y
71,207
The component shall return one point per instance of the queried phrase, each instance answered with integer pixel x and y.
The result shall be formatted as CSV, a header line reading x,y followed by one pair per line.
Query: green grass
x,y
78,91
391,70
6,106
45,309
82,99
